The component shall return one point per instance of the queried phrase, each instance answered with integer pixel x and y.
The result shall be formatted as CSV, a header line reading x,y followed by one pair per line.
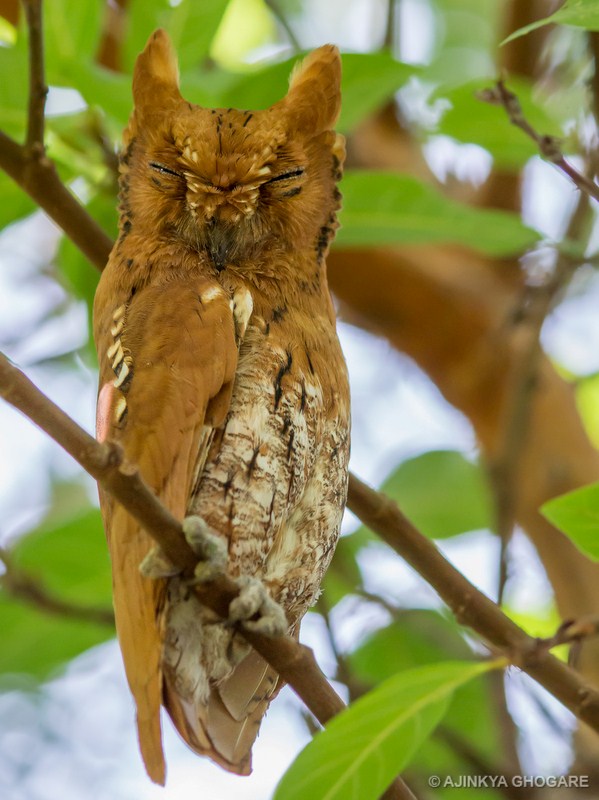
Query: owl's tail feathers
x,y
135,602
226,727
150,745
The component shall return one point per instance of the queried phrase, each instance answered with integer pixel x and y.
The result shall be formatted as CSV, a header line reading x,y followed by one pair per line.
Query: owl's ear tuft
x,y
314,97
156,74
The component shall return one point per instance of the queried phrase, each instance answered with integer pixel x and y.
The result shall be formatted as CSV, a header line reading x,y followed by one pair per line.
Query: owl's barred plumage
x,y
222,377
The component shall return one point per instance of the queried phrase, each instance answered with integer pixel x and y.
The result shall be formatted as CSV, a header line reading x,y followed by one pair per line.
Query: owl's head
x,y
232,183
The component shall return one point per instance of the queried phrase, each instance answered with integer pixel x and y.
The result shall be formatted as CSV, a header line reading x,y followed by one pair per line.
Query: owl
x,y
222,378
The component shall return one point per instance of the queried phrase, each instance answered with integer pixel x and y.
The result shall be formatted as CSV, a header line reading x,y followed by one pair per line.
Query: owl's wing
x,y
167,361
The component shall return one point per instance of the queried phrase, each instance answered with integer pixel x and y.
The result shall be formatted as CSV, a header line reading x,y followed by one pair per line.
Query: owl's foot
x,y
256,609
210,548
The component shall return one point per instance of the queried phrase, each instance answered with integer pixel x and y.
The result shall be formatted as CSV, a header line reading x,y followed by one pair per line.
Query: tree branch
x,y
549,146
38,177
37,82
29,589
470,606
294,662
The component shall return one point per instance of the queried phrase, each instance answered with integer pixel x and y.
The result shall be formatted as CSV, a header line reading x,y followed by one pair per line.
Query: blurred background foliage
x,y
442,199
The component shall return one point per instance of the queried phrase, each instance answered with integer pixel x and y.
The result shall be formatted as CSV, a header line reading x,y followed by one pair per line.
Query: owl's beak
x,y
220,243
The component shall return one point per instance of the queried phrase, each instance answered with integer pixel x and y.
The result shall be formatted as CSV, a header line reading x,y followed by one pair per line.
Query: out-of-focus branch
x,y
284,23
37,82
29,589
549,146
470,606
104,462
537,302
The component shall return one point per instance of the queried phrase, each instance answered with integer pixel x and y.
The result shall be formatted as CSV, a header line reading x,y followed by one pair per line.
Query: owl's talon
x,y
253,599
209,548
157,565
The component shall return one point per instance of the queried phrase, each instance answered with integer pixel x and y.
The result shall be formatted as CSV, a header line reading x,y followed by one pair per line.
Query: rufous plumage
x,y
222,378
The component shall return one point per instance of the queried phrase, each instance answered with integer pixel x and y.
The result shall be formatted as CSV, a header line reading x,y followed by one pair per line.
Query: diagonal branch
x,y
470,606
293,661
39,178
106,464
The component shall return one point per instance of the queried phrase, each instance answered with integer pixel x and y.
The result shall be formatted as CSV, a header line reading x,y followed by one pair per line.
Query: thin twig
x,y
294,662
570,631
284,22
37,82
470,606
549,146
390,28
25,587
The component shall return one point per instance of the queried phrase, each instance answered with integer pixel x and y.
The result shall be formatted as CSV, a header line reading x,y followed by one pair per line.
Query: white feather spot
x,y
118,357
122,376
116,329
120,409
212,293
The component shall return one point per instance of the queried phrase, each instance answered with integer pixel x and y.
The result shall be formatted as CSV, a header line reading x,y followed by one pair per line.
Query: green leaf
x,y
8,32
442,493
142,19
71,36
362,749
580,13
15,203
473,121
577,515
344,576
465,45
246,26
38,644
71,560
192,27
14,92
71,557
381,208
419,637
369,80
587,402
107,90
